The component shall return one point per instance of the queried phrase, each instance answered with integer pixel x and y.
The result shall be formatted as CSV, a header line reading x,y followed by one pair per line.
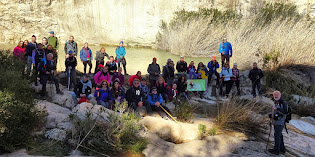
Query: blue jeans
x,y
75,97
279,144
103,103
28,65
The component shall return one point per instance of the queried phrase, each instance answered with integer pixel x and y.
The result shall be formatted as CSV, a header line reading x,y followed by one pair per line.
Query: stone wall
x,y
107,21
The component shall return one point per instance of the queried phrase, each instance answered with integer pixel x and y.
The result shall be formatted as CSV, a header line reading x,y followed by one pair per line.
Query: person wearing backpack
x,y
120,56
226,51
102,75
255,75
281,115
168,72
71,63
53,41
71,45
37,55
154,72
100,56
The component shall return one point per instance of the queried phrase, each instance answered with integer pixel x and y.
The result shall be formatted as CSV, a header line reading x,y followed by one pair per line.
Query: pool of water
x,y
138,59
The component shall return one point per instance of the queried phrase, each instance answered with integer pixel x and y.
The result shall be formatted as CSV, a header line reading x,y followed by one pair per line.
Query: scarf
x,y
85,85
87,53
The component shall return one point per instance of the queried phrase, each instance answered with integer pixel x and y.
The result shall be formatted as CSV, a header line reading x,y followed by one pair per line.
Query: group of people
x,y
109,82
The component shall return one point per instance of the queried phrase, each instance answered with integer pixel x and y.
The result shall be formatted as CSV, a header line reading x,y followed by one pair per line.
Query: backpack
x,y
288,118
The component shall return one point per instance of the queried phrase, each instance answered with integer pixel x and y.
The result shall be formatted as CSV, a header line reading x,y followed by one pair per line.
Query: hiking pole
x,y
168,113
187,98
51,86
270,126
69,79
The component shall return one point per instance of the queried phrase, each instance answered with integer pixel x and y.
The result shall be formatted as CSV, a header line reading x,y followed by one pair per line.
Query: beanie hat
x,y
101,66
214,57
235,64
154,59
121,42
117,80
71,52
52,32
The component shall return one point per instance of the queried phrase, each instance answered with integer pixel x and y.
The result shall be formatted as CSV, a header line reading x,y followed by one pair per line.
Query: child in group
x,y
182,86
144,87
173,93
117,92
192,70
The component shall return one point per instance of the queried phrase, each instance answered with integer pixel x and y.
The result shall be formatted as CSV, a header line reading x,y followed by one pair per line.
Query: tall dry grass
x,y
201,35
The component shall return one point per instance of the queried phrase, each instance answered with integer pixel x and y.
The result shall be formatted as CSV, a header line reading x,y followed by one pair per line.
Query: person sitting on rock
x,y
279,111
135,96
46,69
71,63
192,70
144,88
173,93
112,66
102,94
100,56
83,89
155,100
118,75
162,88
117,92
133,77
102,75
182,86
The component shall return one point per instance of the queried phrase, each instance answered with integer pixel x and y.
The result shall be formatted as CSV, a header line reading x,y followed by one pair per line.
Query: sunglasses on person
x,y
104,84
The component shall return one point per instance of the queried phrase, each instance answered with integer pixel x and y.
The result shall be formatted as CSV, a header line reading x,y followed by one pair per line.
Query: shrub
x,y
17,121
117,133
213,131
202,130
242,115
18,116
184,111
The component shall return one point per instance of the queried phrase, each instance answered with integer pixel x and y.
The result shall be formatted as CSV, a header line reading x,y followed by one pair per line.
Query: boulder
x,y
303,126
56,134
64,100
58,117
303,100
263,100
94,111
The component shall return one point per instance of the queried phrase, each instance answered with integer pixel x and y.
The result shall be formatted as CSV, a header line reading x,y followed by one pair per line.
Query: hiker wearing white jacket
x,y
227,73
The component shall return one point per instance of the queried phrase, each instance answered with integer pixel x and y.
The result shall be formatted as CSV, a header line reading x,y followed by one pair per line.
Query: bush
x,y
213,131
184,111
242,115
202,130
119,133
18,115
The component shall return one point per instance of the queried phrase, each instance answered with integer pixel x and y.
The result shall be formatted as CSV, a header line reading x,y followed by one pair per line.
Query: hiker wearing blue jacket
x,y
86,57
213,66
120,56
226,51
155,100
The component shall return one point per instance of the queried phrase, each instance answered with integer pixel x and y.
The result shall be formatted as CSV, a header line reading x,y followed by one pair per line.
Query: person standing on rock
x,y
255,75
29,49
71,63
236,78
83,89
226,51
168,72
86,57
44,43
37,55
18,51
120,56
181,66
227,73
53,41
213,66
280,111
100,55
154,72
135,96
46,68
71,45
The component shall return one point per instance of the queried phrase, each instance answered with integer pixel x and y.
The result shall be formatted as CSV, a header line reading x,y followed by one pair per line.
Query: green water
x,y
138,59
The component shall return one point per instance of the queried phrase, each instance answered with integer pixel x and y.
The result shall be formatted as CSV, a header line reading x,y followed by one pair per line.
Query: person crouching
x,y
82,90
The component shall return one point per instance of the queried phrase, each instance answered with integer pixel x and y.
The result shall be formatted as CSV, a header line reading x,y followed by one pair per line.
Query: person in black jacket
x,y
154,72
46,69
181,65
280,111
168,72
37,55
255,75
71,63
182,86
28,52
83,89
135,96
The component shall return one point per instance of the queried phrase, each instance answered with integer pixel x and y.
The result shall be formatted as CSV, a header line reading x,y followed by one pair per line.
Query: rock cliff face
x,y
107,21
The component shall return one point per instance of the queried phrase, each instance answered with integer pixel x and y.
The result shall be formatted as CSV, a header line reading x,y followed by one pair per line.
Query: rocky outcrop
x,y
106,21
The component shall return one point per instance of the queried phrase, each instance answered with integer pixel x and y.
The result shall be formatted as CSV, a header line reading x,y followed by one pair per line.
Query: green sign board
x,y
196,85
